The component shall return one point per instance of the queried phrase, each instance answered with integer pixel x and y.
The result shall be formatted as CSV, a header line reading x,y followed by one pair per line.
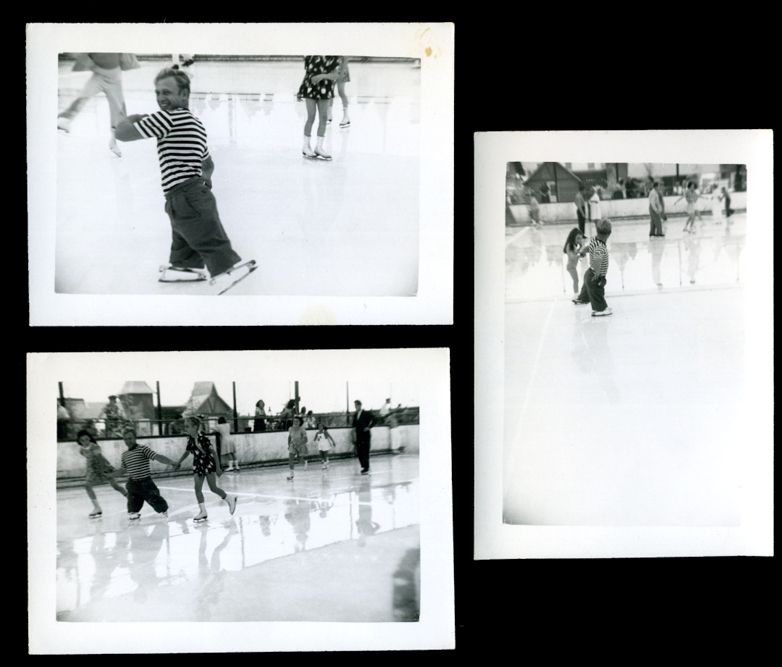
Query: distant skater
x,y
99,470
227,444
656,211
691,195
106,78
317,89
343,76
297,445
325,443
716,204
573,244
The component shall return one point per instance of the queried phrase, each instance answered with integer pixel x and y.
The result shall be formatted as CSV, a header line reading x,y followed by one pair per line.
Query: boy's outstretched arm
x,y
125,130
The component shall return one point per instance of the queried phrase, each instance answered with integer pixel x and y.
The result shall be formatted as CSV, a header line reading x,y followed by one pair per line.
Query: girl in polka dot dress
x,y
205,464
316,90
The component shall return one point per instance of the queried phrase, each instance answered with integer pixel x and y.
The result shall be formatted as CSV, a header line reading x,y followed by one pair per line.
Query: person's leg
x,y
211,481
135,498
311,108
583,296
597,296
581,221
117,487
198,483
344,97
230,500
91,493
91,88
290,463
571,269
323,110
153,497
331,111
195,218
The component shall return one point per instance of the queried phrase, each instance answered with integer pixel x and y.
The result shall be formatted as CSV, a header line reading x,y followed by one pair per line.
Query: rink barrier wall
x,y
250,448
620,208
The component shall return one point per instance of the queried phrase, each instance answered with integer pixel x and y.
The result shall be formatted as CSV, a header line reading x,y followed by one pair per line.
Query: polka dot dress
x,y
322,90
203,456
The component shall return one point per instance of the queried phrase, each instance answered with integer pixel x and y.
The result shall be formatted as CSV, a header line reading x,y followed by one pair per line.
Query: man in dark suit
x,y
362,423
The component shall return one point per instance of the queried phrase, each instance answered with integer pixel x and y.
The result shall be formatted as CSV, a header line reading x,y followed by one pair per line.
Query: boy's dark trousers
x,y
581,221
198,237
140,490
593,292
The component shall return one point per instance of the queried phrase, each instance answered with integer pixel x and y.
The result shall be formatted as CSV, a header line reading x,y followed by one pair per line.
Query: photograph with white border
x,y
239,501
194,163
623,342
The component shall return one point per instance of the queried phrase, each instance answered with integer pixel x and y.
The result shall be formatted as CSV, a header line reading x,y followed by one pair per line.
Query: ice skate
x,y
134,516
114,148
602,313
227,279
231,500
170,273
96,515
64,124
322,155
200,517
345,123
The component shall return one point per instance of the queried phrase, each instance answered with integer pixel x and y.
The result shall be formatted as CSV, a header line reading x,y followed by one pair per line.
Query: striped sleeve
x,y
156,125
147,452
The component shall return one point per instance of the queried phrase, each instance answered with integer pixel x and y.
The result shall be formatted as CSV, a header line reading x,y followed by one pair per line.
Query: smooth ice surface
x,y
631,419
328,546
343,228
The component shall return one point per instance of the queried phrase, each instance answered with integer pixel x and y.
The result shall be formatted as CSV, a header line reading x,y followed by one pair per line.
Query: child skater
x,y
692,196
227,444
140,487
205,464
297,445
99,470
324,441
593,290
573,243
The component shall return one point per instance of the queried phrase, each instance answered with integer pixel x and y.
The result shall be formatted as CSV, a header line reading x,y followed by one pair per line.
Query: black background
x,y
517,68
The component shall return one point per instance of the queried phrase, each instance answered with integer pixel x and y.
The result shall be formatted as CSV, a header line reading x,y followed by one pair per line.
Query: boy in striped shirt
x,y
198,237
593,290
140,487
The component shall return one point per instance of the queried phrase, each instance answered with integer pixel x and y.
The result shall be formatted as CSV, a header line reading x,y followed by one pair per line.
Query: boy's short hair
x,y
604,227
182,79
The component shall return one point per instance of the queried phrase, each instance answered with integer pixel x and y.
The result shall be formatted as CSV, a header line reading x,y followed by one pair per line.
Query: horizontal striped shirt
x,y
598,257
181,144
136,461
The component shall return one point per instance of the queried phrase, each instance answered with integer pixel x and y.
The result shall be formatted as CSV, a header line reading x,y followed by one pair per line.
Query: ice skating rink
x,y
632,419
343,228
329,546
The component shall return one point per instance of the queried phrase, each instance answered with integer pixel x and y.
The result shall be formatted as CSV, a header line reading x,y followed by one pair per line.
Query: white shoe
x,y
602,313
321,155
201,516
308,153
134,516
114,148
289,477
345,123
64,124
232,503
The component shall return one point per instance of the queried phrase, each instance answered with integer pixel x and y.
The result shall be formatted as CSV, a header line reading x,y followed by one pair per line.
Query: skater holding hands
x,y
99,470
317,90
205,464
593,290
140,487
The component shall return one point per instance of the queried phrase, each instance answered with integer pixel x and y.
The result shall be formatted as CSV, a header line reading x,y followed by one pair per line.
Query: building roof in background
x,y
135,387
545,172
204,398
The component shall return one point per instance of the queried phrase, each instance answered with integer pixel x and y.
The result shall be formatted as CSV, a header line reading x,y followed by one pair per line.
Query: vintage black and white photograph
x,y
267,487
186,170
626,307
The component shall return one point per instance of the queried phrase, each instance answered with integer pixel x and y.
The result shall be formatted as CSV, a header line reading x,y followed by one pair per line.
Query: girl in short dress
x,y
324,441
99,470
716,204
317,88
227,444
343,77
205,464
573,243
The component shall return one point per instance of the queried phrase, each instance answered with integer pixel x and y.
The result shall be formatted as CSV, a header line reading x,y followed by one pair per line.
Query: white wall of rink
x,y
620,208
251,448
